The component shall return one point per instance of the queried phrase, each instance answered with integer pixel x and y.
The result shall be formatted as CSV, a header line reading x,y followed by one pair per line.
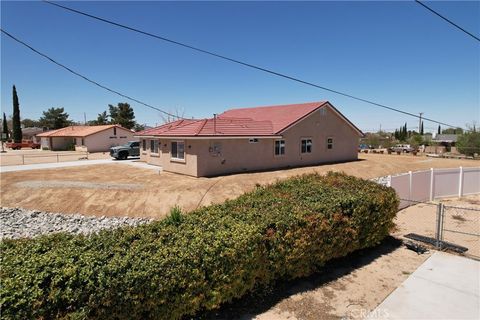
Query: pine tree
x,y
5,127
16,127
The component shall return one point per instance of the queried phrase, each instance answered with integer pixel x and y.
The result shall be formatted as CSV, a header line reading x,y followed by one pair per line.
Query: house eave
x,y
207,137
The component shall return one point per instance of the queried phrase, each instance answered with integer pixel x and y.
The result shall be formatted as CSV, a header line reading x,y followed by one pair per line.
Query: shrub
x,y
167,270
175,217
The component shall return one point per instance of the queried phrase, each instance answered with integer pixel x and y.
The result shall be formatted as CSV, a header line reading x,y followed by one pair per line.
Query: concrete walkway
x,y
54,165
444,287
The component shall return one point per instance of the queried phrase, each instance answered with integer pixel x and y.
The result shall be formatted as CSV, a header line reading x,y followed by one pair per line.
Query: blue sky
x,y
396,53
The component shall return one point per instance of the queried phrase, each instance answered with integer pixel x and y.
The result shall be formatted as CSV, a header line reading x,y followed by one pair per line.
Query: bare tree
x,y
177,114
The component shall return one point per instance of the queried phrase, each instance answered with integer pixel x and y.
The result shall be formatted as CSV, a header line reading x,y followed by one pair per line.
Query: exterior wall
x,y
45,142
163,157
209,157
103,140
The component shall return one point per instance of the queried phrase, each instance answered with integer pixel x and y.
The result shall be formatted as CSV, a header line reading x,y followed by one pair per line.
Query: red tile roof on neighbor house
x,y
79,131
253,122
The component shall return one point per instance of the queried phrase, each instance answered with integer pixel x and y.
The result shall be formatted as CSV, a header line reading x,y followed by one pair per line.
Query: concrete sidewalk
x,y
54,165
444,287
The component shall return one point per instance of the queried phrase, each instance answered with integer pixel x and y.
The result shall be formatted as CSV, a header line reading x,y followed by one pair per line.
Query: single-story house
x,y
447,141
252,139
86,138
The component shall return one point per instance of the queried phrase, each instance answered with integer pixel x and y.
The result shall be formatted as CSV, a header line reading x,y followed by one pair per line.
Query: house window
x,y
329,143
144,145
178,150
155,146
114,131
306,146
279,147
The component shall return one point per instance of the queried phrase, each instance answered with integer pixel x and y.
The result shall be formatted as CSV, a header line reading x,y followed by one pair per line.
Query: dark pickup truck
x,y
131,149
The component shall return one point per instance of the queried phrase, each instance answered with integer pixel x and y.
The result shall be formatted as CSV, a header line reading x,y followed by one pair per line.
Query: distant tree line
x,y
56,118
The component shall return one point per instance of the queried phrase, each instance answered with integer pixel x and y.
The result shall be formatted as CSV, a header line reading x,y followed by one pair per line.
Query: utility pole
x,y
420,122
85,118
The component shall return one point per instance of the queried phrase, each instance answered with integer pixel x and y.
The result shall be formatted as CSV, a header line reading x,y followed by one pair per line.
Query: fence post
x,y
431,184
439,229
410,185
460,183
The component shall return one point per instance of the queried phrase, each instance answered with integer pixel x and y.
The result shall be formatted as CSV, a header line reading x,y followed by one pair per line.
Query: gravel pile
x,y
21,223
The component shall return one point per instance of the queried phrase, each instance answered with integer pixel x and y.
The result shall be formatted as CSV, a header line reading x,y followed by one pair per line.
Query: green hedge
x,y
176,267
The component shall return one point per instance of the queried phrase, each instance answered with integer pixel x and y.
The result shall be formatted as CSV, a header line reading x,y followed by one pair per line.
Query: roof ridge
x,y
321,102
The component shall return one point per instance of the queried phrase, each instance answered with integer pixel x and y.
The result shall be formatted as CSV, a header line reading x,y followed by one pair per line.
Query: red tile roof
x,y
281,116
258,121
78,131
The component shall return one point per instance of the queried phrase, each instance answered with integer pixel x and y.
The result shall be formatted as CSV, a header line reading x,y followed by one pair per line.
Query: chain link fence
x,y
461,226
444,226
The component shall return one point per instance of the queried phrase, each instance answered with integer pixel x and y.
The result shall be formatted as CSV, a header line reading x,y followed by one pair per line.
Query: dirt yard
x,y
154,194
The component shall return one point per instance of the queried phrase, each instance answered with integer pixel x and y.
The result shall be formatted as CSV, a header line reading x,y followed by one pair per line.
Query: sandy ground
x,y
29,156
160,192
348,288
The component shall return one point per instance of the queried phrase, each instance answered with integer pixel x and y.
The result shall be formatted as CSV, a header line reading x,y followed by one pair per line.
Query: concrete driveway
x,y
445,286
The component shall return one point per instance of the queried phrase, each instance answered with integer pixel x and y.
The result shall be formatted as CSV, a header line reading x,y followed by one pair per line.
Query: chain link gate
x,y
458,227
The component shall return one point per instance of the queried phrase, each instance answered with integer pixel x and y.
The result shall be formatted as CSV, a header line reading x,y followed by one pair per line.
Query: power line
x,y
448,20
87,79
245,64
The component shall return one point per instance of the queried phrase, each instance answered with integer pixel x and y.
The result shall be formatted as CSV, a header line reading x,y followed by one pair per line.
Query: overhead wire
x,y
86,78
448,20
245,64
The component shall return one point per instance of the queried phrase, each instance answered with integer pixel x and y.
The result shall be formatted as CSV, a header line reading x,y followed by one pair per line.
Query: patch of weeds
x,y
175,217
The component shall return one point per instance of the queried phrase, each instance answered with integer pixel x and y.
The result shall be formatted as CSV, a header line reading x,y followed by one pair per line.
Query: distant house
x,y
86,138
447,141
30,133
249,139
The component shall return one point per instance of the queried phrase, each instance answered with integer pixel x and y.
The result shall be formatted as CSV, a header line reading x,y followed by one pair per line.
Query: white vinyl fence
x,y
428,185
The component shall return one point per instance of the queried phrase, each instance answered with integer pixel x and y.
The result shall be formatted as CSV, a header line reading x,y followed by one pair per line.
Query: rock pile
x,y
21,223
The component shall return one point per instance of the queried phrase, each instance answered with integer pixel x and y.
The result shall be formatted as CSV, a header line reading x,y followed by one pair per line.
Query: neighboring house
x,y
251,139
447,141
30,133
86,138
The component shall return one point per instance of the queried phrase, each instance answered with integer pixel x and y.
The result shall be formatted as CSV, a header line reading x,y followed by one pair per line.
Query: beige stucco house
x,y
86,138
251,139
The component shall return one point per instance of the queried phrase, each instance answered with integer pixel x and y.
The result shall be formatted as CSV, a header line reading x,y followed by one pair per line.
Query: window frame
x,y
306,139
175,158
280,154
330,145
